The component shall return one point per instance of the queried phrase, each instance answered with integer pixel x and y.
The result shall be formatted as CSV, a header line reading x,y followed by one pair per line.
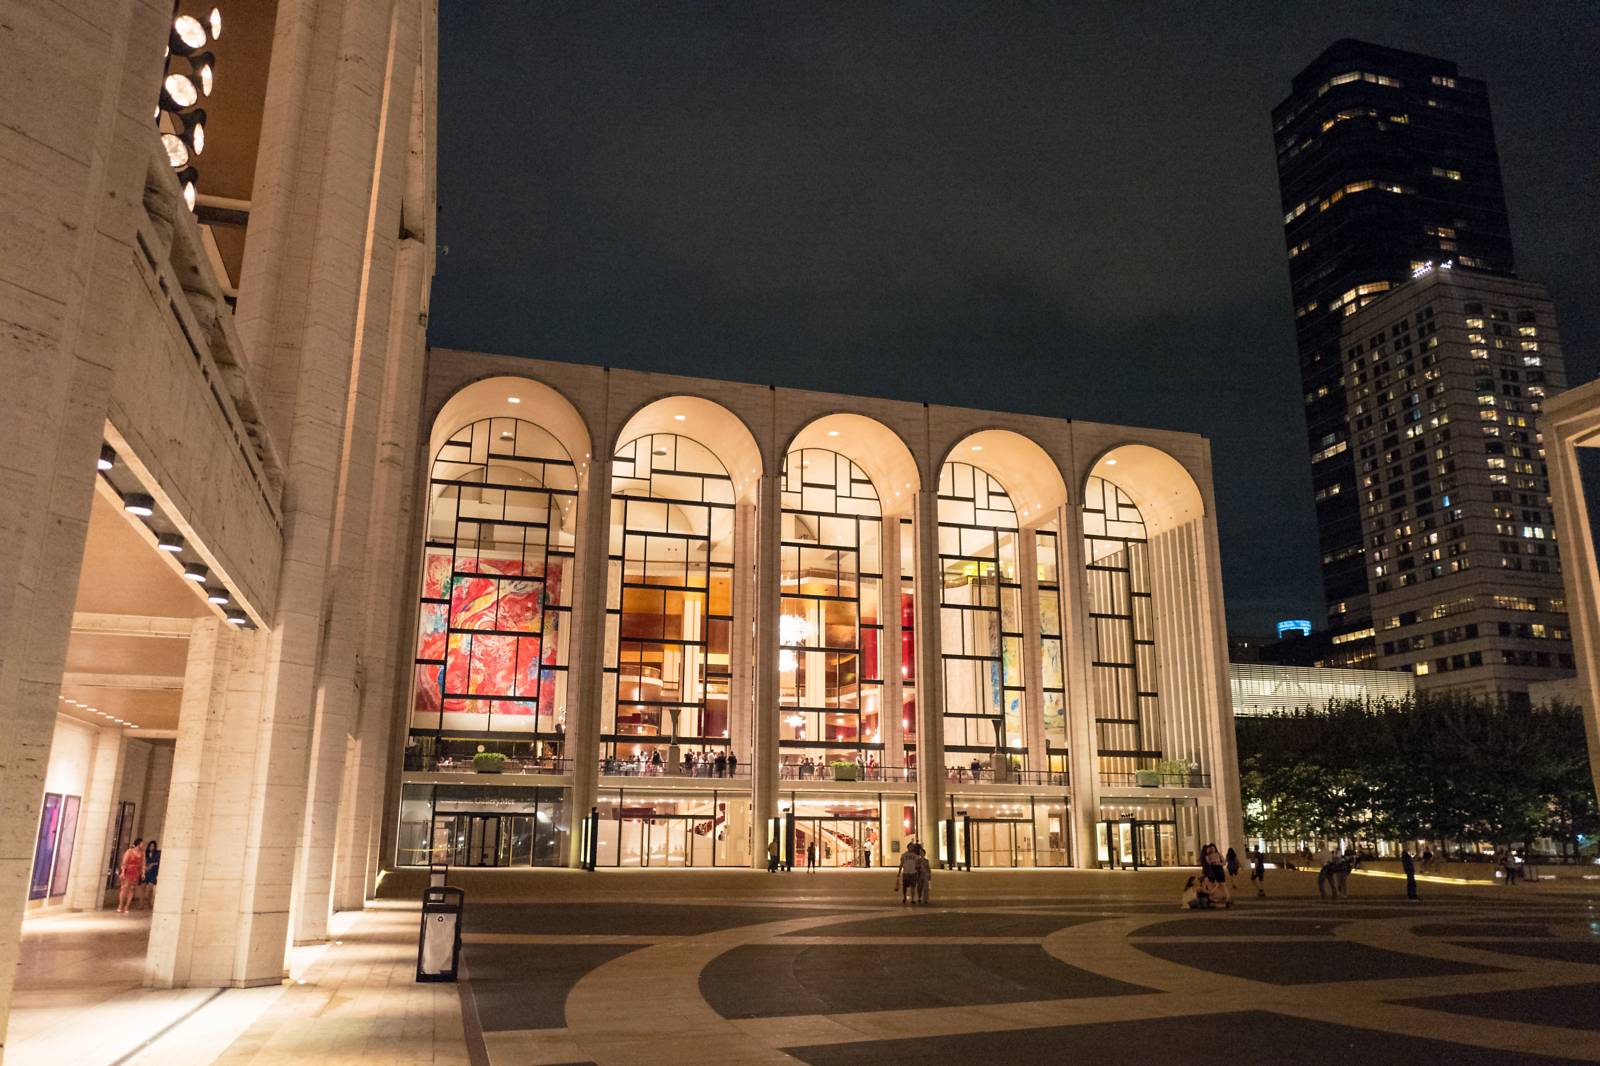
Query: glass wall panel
x,y
492,641
669,606
1052,657
830,682
1123,682
979,617
655,829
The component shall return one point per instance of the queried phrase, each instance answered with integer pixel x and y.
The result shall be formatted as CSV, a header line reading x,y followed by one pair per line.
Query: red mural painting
x,y
488,632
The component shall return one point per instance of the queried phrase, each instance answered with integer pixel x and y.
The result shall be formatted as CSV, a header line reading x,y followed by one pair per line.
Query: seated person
x,y
1195,895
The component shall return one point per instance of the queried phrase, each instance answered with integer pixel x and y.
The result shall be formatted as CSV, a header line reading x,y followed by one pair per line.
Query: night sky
x,y
1069,212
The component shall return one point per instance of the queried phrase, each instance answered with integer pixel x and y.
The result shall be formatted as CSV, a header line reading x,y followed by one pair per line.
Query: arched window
x,y
980,617
669,599
830,685
1123,672
492,638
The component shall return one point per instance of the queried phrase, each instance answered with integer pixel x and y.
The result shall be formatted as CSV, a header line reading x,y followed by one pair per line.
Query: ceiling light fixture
x,y
833,433
680,418
513,399
214,20
238,618
1111,462
169,542
196,572
139,503
217,596
188,35
108,458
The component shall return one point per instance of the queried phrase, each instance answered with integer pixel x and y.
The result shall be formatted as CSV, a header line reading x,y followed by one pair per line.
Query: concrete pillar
x,y
67,193
158,780
341,669
1032,653
741,648
931,806
190,798
586,689
1082,737
86,882
1577,418
890,727
764,747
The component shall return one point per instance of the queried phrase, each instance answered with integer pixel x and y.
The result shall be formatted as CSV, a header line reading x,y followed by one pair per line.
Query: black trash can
x,y
439,943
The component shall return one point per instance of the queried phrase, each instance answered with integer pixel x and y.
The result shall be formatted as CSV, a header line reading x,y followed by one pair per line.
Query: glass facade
x,y
980,617
673,829
476,825
669,604
492,639
1009,832
830,684
1122,620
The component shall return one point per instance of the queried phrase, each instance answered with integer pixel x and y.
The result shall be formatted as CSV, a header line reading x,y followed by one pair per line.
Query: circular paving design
x,y
1463,981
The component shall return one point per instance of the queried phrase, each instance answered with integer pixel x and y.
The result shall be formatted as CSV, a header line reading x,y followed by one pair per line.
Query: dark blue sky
x,y
1072,212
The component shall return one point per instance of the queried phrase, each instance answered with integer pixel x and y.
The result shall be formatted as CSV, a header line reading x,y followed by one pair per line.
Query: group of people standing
x,y
136,875
912,877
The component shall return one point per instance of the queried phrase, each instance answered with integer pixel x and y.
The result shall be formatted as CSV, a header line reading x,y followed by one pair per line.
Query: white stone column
x,y
1078,647
741,646
890,727
586,684
931,806
193,782
153,807
764,747
86,881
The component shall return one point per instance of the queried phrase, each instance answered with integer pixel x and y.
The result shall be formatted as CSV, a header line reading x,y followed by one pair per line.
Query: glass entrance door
x,y
665,841
840,841
1001,844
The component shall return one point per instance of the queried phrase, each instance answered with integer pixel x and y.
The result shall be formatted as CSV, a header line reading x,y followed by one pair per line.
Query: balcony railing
x,y
1156,779
703,771
988,775
464,764
846,772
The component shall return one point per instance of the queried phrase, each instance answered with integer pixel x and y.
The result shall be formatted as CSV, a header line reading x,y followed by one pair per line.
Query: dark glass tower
x,y
1386,161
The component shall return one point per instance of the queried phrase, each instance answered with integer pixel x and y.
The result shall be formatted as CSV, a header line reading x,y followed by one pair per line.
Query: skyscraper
x,y
1386,161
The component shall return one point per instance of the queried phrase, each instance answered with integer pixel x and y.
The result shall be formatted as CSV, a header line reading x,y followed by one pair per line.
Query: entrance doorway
x,y
1000,843
483,839
666,840
1134,843
840,841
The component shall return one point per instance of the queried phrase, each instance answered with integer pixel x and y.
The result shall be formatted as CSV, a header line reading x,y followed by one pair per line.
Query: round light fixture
x,y
237,618
215,21
203,67
196,572
217,596
513,399
170,542
177,151
179,89
1111,462
139,503
680,418
187,34
108,458
977,447
833,433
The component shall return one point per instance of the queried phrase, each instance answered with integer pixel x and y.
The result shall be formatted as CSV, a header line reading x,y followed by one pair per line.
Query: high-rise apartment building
x,y
1386,161
1443,380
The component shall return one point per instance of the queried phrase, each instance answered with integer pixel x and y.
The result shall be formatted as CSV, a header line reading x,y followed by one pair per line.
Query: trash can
x,y
438,874
439,943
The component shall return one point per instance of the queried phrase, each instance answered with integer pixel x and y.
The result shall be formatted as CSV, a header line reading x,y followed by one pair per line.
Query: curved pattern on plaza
x,y
1029,980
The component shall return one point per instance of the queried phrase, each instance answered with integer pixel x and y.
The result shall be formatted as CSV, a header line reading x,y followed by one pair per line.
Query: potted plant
x,y
1173,772
488,762
844,771
1147,778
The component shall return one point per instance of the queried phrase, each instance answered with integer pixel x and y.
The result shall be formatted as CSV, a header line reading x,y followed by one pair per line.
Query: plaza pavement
x,y
728,966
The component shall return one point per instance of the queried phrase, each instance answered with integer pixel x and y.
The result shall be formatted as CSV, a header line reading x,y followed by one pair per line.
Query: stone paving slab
x,y
1308,964
1567,1006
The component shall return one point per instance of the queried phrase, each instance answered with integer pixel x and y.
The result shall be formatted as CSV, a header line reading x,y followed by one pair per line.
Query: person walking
x,y
1258,873
131,870
1410,867
1233,871
811,857
906,874
924,875
152,867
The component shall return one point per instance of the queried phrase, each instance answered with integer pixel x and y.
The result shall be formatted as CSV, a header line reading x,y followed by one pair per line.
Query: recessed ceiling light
x,y
833,433
977,447
513,399
680,418
506,435
169,542
139,503
1111,462
195,572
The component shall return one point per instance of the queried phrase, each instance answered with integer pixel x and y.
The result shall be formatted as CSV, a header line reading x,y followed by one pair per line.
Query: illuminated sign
x,y
1294,625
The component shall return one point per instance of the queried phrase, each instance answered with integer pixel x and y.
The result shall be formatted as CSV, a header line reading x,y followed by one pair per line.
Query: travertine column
x,y
190,796
157,783
587,665
764,748
1082,737
890,727
68,190
342,672
86,881
931,806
